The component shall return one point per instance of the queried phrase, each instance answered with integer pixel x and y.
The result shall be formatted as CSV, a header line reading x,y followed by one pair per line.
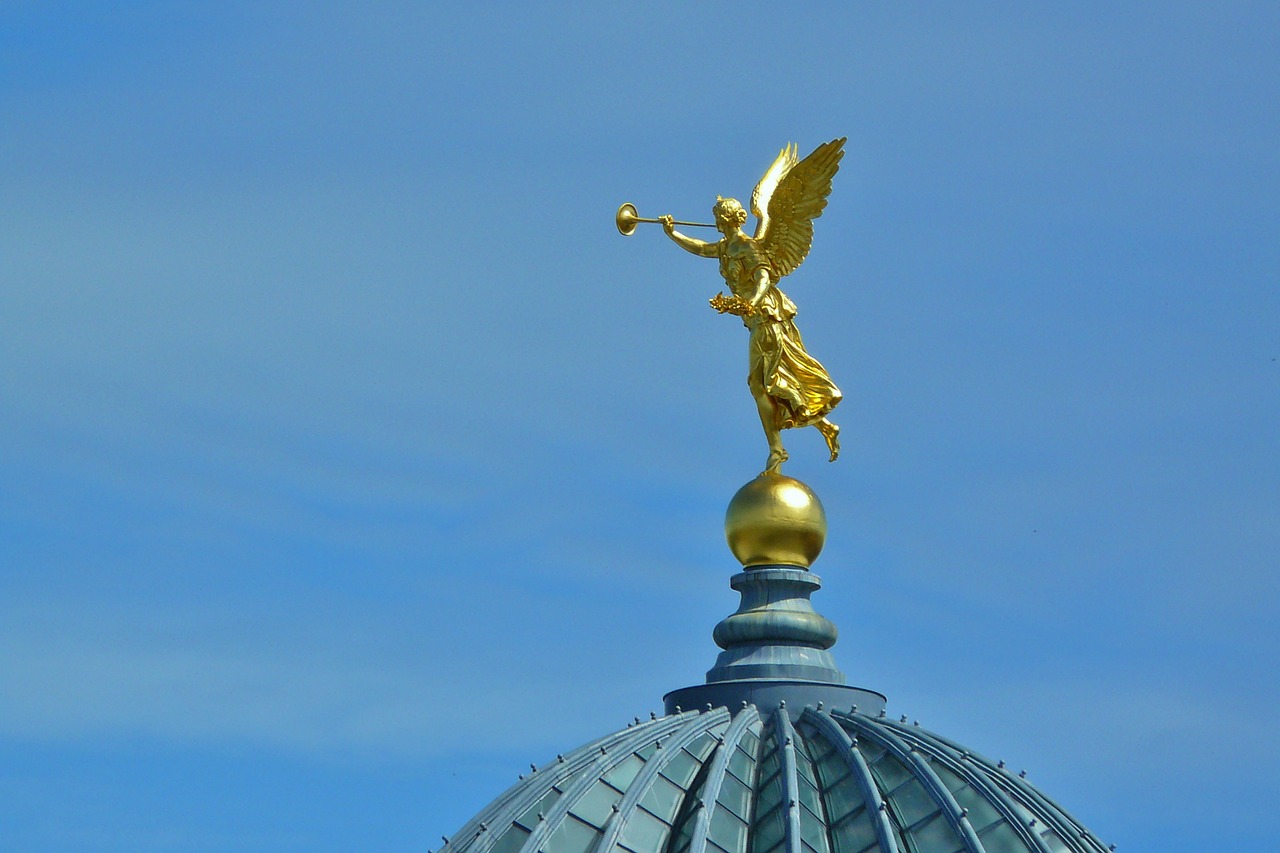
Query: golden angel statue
x,y
791,388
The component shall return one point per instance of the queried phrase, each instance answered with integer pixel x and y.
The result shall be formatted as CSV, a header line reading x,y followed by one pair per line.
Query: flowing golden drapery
x,y
778,364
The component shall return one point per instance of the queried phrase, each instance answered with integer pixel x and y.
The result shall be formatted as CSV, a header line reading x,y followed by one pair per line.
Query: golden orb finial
x,y
775,521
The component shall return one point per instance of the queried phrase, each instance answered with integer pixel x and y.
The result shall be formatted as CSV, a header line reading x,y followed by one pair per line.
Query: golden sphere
x,y
775,520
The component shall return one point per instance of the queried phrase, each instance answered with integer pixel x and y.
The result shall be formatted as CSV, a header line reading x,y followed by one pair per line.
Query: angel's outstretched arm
x,y
689,244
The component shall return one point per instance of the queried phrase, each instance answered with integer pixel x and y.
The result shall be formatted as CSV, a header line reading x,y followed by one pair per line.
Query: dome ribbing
x,y
764,782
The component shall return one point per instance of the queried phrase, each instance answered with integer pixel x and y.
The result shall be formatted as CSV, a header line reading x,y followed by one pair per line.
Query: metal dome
x,y
762,782
784,771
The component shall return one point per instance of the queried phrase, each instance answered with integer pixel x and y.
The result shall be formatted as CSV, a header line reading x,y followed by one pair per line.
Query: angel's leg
x,y
762,343
831,433
769,419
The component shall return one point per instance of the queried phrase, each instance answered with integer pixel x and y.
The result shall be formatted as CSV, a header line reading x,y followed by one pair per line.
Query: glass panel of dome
x,y
530,817
740,765
818,749
842,798
643,833
951,780
735,796
1002,838
912,803
981,812
889,772
936,836
596,805
572,836
769,796
809,797
727,830
832,767
624,773
871,751
803,766
662,799
511,841
686,818
818,746
681,768
751,740
768,832
854,835
813,831
769,765
703,744
646,752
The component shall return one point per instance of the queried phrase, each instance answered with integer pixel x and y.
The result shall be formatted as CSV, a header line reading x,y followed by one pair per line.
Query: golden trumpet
x,y
628,219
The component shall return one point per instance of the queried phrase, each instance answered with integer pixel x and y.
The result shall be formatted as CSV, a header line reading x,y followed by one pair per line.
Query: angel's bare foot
x,y
776,458
831,433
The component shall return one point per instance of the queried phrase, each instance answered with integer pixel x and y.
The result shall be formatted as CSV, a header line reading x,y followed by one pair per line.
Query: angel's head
x,y
729,214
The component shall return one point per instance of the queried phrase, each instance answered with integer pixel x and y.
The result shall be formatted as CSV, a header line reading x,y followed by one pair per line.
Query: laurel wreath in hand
x,y
732,305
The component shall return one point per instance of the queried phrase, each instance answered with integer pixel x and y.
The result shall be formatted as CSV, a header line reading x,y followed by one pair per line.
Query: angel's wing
x,y
764,190
796,198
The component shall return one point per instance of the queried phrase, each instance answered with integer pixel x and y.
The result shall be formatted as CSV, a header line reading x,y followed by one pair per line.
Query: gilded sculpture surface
x,y
791,388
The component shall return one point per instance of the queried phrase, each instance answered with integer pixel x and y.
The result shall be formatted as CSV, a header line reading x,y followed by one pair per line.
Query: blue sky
x,y
350,460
